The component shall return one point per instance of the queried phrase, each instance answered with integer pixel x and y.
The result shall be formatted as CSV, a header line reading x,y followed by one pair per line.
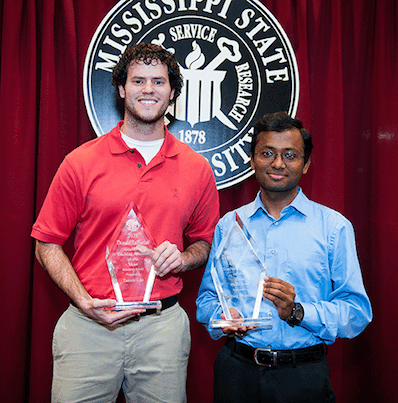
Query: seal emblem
x,y
237,64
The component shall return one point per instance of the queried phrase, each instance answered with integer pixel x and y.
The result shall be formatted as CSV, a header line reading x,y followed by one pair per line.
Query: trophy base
x,y
126,306
259,323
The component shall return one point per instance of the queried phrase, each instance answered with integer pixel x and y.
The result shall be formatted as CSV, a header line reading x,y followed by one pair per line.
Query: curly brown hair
x,y
146,52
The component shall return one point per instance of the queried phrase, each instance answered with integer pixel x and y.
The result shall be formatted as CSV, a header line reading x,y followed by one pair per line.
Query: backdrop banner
x,y
346,56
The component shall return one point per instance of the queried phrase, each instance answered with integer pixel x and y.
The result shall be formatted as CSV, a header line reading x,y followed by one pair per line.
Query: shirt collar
x,y
170,146
300,204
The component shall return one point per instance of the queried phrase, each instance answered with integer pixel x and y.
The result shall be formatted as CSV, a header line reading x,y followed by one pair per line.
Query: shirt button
x,y
139,165
272,250
276,223
132,151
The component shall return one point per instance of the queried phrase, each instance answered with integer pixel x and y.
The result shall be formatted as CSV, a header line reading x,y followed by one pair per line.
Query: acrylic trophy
x,y
238,271
129,261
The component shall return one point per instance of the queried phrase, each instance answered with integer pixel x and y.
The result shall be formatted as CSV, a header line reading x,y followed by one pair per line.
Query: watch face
x,y
298,312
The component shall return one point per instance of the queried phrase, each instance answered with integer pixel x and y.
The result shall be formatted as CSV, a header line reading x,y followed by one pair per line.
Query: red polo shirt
x,y
93,187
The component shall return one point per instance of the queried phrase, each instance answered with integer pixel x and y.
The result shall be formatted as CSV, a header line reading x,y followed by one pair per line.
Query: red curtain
x,y
348,65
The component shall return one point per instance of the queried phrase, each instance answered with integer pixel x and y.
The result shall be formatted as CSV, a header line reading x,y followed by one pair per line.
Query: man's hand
x,y
57,264
281,293
94,309
235,330
167,258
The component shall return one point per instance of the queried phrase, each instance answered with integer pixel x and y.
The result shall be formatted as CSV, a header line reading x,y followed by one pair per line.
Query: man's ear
x,y
122,92
306,166
171,95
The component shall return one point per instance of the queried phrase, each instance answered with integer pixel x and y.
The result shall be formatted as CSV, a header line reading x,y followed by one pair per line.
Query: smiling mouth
x,y
276,176
147,101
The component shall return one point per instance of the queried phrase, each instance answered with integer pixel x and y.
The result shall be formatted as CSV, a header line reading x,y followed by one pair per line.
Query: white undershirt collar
x,y
148,149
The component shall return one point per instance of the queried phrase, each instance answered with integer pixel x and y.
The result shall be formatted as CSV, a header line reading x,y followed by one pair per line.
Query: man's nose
x,y
148,87
278,161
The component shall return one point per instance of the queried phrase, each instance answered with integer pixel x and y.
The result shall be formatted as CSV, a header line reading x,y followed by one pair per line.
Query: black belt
x,y
273,358
166,303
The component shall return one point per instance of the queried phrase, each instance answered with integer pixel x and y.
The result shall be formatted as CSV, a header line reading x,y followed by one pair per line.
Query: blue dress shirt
x,y
313,248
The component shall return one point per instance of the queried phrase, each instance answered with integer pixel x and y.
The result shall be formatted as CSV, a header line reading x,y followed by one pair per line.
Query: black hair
x,y
280,122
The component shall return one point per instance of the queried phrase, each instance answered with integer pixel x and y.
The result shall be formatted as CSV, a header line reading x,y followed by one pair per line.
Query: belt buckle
x,y
273,355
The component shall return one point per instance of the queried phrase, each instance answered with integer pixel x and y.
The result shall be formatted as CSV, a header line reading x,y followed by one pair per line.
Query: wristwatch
x,y
297,315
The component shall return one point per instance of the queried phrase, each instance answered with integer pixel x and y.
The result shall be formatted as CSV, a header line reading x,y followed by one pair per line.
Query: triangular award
x,y
129,261
238,270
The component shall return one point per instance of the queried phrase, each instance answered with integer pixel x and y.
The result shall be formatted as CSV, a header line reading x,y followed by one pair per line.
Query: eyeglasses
x,y
287,156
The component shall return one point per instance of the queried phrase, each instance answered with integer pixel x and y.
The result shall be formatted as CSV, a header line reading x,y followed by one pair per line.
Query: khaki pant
x,y
148,358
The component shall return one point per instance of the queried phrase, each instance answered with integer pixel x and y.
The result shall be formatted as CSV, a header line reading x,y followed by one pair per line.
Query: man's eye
x,y
268,153
289,156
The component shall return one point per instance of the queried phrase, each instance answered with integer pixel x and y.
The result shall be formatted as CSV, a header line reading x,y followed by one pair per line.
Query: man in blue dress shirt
x,y
313,288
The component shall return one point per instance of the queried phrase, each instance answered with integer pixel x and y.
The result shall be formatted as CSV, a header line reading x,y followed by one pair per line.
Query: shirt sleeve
x,y
59,213
207,212
348,310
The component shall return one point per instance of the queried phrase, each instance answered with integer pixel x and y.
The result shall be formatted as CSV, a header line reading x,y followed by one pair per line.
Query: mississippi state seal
x,y
237,64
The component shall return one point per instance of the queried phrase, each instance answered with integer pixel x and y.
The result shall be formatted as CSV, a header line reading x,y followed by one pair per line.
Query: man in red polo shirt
x,y
140,163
